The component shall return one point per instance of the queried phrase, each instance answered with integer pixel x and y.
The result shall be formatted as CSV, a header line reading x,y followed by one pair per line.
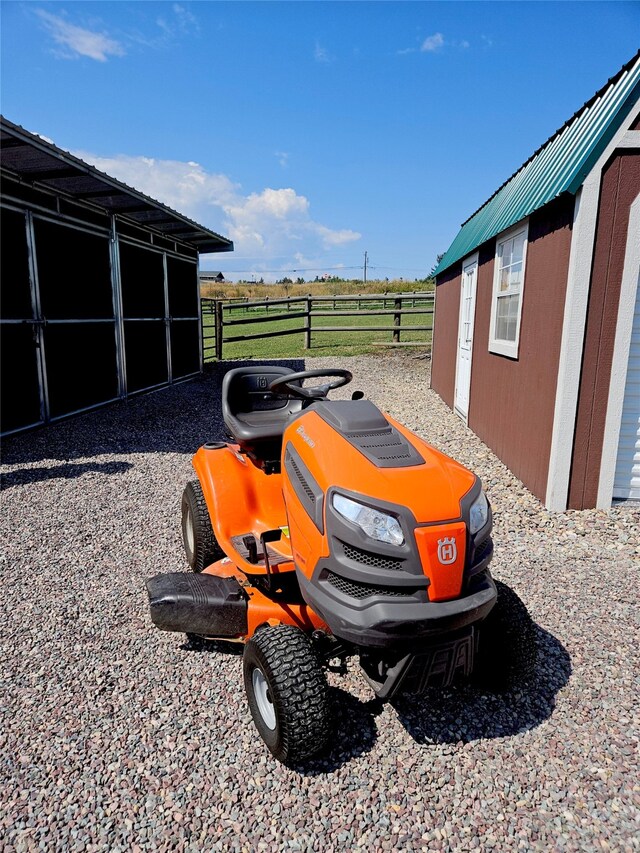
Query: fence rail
x,y
218,315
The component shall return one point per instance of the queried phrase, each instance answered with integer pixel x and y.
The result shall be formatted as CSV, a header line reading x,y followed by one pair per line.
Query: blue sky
x,y
311,132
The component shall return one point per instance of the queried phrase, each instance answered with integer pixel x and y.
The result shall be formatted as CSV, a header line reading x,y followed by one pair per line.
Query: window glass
x,y
515,276
518,248
507,317
509,279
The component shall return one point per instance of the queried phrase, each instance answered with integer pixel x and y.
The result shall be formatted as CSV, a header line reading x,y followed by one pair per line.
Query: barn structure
x,y
211,277
100,292
537,323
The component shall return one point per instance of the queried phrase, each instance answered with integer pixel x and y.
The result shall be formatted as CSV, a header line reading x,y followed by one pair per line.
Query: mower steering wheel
x,y
317,392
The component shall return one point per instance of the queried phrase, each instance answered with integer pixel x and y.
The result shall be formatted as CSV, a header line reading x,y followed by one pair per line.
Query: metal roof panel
x,y
32,159
560,165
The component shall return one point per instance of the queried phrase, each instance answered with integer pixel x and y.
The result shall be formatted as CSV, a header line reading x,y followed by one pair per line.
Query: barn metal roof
x,y
560,165
35,161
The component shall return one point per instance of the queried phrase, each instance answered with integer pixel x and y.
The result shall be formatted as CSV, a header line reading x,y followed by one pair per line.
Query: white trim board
x,y
575,318
624,327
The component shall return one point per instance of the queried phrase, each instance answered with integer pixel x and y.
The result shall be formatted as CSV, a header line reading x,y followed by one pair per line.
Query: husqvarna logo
x,y
447,551
305,437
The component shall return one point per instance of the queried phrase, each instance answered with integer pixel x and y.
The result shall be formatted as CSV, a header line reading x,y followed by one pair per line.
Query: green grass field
x,y
322,343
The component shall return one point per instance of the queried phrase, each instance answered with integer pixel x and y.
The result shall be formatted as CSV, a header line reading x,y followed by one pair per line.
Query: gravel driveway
x,y
118,737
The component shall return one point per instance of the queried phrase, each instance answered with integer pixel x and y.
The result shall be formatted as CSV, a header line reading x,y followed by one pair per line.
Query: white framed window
x,y
508,289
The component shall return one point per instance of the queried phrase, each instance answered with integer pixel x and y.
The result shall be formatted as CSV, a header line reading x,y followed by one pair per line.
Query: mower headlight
x,y
479,513
375,523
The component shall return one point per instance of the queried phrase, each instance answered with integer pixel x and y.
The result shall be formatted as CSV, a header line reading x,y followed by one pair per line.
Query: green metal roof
x,y
560,165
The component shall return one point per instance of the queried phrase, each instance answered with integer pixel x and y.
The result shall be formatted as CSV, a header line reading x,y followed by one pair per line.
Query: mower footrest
x,y
198,604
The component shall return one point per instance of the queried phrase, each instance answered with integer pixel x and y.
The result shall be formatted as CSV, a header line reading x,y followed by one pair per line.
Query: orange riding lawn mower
x,y
325,530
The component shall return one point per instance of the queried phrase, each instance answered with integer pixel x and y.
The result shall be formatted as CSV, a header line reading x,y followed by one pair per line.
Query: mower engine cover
x,y
390,537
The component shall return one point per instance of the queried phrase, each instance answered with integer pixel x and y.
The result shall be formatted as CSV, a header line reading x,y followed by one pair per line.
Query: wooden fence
x,y
222,317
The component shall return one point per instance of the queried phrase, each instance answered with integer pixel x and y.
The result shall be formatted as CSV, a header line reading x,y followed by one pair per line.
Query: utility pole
x,y
365,269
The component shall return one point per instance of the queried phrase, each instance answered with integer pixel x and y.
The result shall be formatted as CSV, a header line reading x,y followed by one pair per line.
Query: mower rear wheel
x,y
199,540
507,651
287,692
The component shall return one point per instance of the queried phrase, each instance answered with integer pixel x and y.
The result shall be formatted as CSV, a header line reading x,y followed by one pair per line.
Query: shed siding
x,y
512,400
620,186
445,334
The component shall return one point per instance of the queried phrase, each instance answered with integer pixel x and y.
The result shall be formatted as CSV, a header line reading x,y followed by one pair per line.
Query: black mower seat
x,y
254,416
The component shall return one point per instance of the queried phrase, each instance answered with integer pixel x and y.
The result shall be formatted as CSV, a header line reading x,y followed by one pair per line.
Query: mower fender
x,y
238,495
263,611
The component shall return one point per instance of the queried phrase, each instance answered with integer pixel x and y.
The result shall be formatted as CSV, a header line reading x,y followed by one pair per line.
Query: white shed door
x,y
626,483
465,335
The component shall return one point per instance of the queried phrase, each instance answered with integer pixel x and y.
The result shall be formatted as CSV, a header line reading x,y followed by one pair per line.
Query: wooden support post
x,y
218,305
397,318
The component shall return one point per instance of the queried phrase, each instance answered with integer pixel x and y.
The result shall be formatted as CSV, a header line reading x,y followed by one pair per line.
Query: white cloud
x,y
432,43
186,19
336,238
283,158
181,22
72,41
321,54
276,219
281,204
77,41
267,224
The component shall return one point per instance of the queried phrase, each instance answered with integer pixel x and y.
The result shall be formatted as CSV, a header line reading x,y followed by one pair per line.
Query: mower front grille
x,y
482,550
367,558
356,589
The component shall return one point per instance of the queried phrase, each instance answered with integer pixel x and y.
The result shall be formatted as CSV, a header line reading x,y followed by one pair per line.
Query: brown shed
x,y
94,275
537,327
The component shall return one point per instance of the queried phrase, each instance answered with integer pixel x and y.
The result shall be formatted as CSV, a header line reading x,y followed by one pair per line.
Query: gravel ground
x,y
118,737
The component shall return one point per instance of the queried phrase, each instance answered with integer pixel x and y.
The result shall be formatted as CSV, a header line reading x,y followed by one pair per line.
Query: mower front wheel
x,y
199,540
287,692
